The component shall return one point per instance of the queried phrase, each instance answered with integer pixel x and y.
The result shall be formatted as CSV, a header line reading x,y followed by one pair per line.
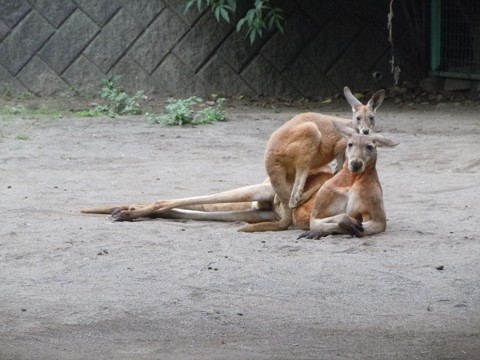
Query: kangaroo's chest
x,y
353,203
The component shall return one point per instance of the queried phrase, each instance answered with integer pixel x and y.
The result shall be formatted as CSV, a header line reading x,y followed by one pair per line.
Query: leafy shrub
x,y
15,110
117,100
182,112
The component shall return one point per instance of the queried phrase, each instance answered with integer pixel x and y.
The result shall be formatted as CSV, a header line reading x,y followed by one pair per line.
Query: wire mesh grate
x,y
456,27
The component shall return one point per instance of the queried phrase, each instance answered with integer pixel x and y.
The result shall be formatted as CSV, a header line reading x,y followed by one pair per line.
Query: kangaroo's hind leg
x,y
288,160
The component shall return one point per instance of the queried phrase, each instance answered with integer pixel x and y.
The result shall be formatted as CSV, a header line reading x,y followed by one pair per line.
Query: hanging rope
x,y
394,69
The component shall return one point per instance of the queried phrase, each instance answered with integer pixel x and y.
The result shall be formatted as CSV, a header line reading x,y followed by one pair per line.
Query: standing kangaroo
x,y
306,142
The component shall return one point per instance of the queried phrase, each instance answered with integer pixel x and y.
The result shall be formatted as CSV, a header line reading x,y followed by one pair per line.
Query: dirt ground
x,y
75,286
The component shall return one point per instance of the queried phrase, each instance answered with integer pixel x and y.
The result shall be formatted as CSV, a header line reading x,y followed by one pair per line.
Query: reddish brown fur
x,y
352,201
250,204
306,142
296,159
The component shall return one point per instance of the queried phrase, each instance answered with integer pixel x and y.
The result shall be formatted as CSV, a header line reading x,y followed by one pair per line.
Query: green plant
x,y
276,110
26,95
261,17
183,111
22,137
117,100
89,112
7,89
177,112
211,114
15,110
221,8
32,111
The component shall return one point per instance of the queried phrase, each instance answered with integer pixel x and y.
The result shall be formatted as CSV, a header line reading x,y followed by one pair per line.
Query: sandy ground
x,y
76,286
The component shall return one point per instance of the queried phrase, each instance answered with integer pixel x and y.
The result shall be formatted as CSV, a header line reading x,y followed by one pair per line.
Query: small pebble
x,y
440,267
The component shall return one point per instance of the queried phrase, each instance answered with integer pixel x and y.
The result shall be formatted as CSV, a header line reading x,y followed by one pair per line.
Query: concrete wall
x,y
52,47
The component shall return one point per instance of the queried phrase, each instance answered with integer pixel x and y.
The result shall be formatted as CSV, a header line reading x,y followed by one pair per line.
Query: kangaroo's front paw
x,y
121,214
351,226
295,199
313,234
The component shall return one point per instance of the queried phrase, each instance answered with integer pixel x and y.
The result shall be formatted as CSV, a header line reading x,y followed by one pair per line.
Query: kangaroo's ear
x,y
352,100
376,100
344,130
380,140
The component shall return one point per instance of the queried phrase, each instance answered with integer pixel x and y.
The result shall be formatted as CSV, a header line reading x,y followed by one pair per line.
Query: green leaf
x,y
250,16
252,36
271,22
240,23
216,11
189,5
224,14
232,4
279,25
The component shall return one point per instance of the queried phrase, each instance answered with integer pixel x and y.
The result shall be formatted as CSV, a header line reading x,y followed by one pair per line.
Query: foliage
x,y
117,100
182,112
178,112
32,111
89,112
22,137
212,113
276,110
221,8
261,17
15,110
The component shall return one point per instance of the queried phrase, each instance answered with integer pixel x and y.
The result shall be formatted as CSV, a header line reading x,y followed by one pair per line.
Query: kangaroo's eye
x,y
350,144
372,118
359,118
370,147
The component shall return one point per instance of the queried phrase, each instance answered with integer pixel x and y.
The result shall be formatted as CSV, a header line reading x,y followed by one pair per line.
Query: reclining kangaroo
x,y
267,208
306,142
255,203
349,202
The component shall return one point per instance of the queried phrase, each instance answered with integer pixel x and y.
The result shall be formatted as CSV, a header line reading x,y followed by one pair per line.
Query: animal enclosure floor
x,y
75,286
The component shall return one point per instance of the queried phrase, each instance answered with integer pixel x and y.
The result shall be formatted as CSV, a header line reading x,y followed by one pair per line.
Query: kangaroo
x,y
258,203
351,202
251,204
306,142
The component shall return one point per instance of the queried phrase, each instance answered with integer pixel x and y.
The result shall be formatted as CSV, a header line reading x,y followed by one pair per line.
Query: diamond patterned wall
x,y
50,47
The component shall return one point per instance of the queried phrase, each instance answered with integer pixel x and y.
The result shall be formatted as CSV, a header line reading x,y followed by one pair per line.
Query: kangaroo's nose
x,y
356,165
365,131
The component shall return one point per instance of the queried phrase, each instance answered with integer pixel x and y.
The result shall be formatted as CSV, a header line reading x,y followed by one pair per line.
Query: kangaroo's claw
x,y
121,214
